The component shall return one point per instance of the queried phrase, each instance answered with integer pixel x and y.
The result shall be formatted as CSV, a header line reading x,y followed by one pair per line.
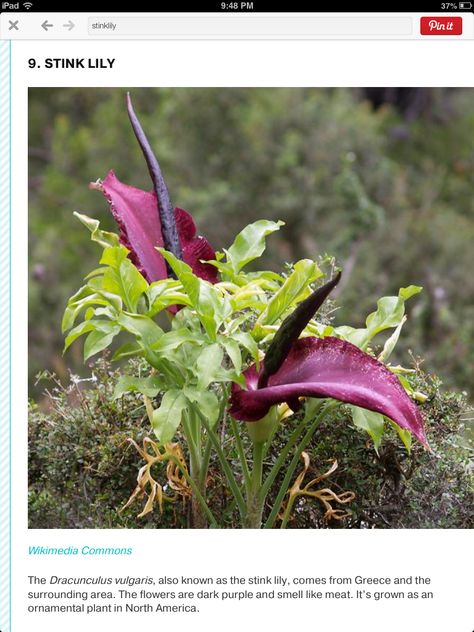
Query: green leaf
x,y
114,256
233,351
224,268
250,295
108,311
246,340
149,386
102,237
162,294
391,342
388,314
189,319
312,407
103,326
96,272
295,288
390,311
237,321
81,293
250,243
407,292
238,378
229,375
127,350
372,423
212,308
112,299
109,301
321,330
405,435
205,298
83,328
403,381
133,282
208,364
125,281
69,318
357,337
167,417
96,284
174,339
185,274
98,340
143,328
267,278
73,306
206,403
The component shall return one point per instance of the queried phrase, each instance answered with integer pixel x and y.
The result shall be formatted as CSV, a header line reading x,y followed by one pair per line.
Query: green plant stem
x,y
198,472
269,441
254,497
288,510
257,471
206,455
197,493
234,487
194,450
294,463
195,428
172,374
241,453
295,435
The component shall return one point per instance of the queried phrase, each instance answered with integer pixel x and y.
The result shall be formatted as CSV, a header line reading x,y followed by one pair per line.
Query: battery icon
x,y
465,5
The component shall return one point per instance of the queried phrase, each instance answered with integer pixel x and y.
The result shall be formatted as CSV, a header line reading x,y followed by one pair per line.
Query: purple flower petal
x,y
136,213
329,367
196,249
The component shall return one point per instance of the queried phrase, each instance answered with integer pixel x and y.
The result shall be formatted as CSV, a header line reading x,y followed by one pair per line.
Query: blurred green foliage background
x,y
381,179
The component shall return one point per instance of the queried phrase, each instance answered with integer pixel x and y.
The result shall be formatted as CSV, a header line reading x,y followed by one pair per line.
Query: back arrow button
x,y
47,25
69,26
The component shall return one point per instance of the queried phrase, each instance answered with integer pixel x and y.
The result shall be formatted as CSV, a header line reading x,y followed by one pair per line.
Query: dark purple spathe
x,y
136,213
329,367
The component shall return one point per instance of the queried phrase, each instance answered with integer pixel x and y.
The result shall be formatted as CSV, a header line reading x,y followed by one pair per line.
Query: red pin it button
x,y
441,25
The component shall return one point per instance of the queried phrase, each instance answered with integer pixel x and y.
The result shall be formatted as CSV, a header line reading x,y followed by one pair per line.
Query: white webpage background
x,y
444,555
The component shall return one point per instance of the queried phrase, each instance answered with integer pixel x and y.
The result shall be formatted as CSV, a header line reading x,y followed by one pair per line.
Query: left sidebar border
x,y
5,358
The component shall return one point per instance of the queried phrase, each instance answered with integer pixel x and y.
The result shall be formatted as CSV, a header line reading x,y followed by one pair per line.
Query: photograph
x,y
250,308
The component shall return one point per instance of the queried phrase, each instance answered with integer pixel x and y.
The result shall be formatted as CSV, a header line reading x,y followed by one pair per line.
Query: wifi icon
x,y
27,5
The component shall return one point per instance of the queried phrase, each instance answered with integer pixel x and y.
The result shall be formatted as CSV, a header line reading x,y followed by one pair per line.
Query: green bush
x,y
82,469
395,489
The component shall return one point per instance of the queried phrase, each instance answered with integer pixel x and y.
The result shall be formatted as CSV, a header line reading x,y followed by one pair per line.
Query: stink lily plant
x,y
242,354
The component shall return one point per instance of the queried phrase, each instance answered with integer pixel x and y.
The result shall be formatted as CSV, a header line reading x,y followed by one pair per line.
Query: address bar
x,y
249,27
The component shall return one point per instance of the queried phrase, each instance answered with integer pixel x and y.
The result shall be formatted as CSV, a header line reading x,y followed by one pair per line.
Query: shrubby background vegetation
x,y
83,469
380,179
